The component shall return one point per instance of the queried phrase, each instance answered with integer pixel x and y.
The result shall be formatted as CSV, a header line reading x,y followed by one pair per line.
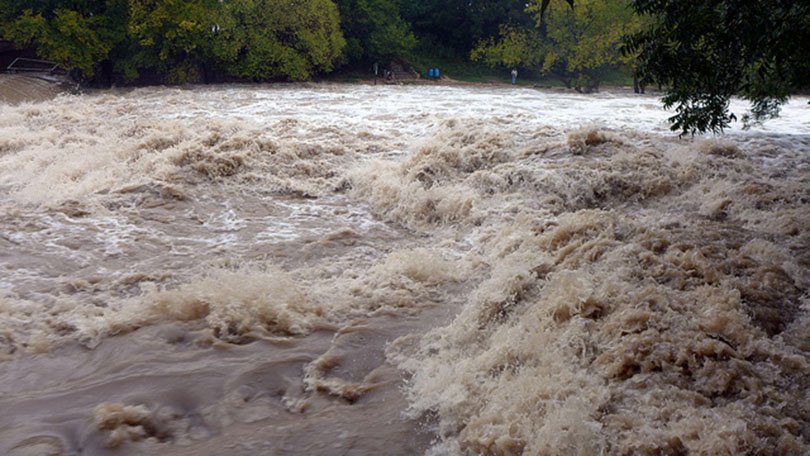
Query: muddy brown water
x,y
328,269
25,88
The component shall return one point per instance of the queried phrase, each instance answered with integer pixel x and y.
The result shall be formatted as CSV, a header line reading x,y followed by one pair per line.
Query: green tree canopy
x,y
457,25
706,52
514,47
375,30
577,44
170,36
76,35
262,39
178,40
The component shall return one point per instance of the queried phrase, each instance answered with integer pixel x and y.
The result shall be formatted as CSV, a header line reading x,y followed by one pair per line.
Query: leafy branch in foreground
x,y
706,52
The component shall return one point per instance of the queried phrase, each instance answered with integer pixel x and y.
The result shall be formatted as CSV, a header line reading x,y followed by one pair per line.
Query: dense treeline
x,y
209,40
702,52
180,40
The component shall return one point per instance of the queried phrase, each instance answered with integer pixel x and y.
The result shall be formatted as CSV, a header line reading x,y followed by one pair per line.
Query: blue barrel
x,y
430,72
437,72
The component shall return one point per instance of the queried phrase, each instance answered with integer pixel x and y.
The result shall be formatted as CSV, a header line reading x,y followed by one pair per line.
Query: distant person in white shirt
x,y
514,76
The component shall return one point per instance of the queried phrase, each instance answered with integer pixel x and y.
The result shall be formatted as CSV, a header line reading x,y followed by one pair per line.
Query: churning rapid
x,y
361,270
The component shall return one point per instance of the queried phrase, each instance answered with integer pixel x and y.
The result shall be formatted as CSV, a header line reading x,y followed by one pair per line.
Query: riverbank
x,y
19,88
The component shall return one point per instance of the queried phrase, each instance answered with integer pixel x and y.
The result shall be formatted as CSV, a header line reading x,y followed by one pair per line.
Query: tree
x,y
706,52
577,44
456,25
180,40
76,35
374,30
170,37
584,41
514,47
266,39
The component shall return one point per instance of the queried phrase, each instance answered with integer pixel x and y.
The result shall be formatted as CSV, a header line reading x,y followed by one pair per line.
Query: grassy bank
x,y
461,70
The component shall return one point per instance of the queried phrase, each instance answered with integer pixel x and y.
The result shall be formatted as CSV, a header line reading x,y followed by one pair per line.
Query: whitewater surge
x,y
322,269
637,299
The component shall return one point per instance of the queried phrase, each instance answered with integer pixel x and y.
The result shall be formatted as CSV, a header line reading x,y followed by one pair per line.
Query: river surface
x,y
319,269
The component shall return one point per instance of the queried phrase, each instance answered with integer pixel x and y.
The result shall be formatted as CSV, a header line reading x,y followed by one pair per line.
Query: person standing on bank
x,y
514,76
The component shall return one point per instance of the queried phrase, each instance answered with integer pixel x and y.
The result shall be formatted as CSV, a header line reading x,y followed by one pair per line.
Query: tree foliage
x,y
375,30
706,52
456,25
170,36
76,37
180,39
514,47
584,40
269,39
576,44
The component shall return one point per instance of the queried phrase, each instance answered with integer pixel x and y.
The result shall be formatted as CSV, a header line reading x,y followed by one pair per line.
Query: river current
x,y
321,269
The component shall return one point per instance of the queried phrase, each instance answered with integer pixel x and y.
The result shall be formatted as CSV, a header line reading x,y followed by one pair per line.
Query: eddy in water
x,y
325,269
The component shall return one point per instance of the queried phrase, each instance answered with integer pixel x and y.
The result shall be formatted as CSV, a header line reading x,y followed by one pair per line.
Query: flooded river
x,y
362,270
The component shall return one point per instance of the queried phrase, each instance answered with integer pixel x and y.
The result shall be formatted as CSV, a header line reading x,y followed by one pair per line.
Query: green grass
x,y
462,70
621,76
459,69
466,71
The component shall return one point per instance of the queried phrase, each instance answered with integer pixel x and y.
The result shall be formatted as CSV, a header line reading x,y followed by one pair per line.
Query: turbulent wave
x,y
261,261
641,296
74,155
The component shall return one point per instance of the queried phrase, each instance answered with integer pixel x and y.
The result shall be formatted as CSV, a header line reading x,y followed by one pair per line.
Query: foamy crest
x,y
639,304
427,188
56,153
236,305
126,422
